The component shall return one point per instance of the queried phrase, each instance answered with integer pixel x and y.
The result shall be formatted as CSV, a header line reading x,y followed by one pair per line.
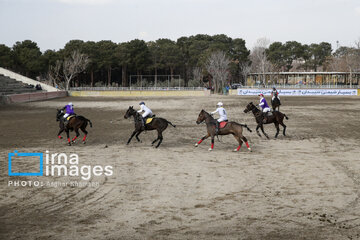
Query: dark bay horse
x,y
74,124
276,118
236,129
159,124
275,103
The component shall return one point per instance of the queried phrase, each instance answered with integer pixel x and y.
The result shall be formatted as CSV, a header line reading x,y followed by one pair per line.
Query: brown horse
x,y
74,124
276,118
236,129
159,124
275,103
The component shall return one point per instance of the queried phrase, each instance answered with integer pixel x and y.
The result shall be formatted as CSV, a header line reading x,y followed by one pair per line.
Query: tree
x,y
319,54
139,55
258,57
169,54
198,75
123,57
27,58
292,51
106,57
6,58
74,65
275,54
217,65
91,49
245,69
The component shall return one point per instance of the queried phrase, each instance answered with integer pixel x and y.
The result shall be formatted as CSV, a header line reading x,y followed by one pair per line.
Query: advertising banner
x,y
300,92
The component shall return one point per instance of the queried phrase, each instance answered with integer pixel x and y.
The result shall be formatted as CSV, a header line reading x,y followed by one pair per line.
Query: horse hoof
x,y
84,142
72,141
235,150
210,149
69,144
196,144
249,149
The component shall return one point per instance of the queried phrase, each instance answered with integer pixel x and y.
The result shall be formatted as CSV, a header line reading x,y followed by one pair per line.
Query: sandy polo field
x,y
302,186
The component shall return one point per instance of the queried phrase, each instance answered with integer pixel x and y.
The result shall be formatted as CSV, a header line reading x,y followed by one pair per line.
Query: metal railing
x,y
137,89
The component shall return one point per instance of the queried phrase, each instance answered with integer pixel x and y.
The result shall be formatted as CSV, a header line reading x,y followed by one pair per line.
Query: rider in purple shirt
x,y
265,107
69,110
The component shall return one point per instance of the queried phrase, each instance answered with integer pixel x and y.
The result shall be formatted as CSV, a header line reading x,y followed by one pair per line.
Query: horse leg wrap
x,y
74,138
212,143
59,137
84,138
238,148
68,140
247,144
200,141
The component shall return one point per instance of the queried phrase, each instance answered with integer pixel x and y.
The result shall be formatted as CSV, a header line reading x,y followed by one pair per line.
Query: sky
x,y
52,23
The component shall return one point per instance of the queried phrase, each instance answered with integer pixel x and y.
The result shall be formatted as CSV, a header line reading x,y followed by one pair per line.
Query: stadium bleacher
x,y
11,86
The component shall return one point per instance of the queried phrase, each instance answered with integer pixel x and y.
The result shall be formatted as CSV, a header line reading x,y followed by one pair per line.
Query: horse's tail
x,y
245,126
85,119
170,123
286,116
89,122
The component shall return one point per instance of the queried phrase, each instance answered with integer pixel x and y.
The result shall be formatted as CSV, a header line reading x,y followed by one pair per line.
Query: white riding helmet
x,y
220,104
71,104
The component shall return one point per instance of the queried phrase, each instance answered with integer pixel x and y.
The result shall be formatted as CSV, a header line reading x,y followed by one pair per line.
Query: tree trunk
x,y
123,76
67,85
155,76
109,76
172,73
92,78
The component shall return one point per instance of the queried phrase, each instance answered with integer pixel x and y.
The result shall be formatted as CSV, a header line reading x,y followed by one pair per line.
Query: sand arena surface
x,y
302,186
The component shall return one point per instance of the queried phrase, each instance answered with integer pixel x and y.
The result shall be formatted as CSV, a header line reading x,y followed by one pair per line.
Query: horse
x,y
276,103
234,128
75,123
159,124
276,118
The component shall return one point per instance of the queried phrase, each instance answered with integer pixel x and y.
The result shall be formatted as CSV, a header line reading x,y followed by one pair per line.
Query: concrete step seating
x,y
11,86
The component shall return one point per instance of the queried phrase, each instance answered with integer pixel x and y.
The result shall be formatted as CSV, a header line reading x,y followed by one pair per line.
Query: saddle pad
x,y
222,124
149,120
69,117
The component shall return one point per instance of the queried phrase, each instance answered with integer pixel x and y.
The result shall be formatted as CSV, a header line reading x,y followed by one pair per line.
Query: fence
x,y
137,89
30,97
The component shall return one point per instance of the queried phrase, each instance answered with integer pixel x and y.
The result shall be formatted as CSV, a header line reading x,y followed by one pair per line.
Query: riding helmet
x,y
141,103
220,104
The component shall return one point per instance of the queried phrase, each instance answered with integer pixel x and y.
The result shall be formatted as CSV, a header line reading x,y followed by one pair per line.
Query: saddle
x,y
149,120
222,124
69,117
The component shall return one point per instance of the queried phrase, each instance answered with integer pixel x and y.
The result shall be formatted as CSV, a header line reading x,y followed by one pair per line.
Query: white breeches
x,y
221,119
147,114
274,98
266,110
66,115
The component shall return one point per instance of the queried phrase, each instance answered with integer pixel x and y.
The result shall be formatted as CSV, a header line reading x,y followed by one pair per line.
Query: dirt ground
x,y
305,185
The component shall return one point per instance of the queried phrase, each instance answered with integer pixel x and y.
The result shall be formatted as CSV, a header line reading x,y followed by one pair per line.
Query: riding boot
x,y
217,128
142,123
264,117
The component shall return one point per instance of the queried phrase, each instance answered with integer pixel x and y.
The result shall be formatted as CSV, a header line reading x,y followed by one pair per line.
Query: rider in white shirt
x,y
223,115
147,112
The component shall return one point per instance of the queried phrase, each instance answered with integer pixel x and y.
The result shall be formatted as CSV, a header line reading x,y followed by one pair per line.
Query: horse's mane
x,y
209,115
255,106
